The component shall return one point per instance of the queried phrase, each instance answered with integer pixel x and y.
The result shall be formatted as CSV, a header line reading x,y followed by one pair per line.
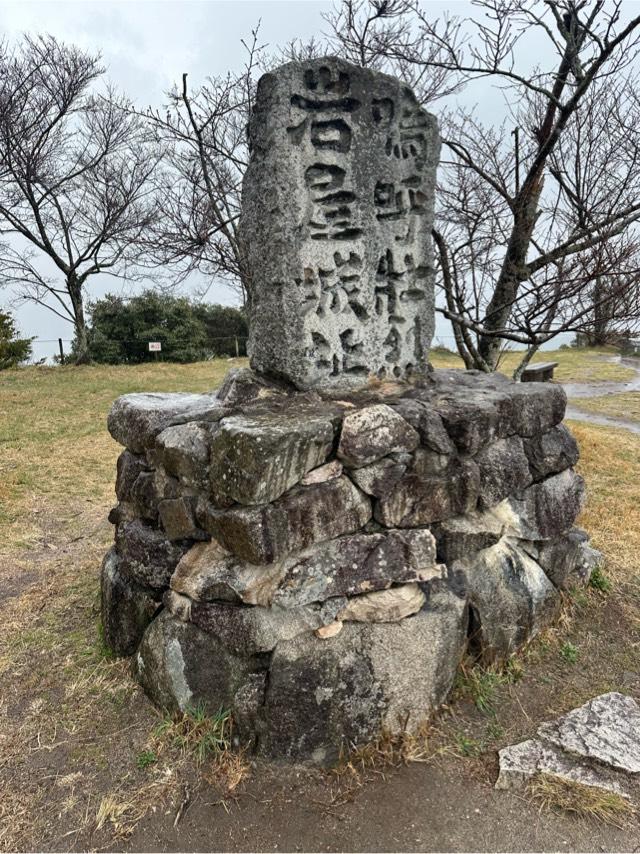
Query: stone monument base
x,y
318,563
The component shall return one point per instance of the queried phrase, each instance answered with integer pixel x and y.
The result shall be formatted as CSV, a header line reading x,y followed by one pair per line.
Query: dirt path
x,y
602,389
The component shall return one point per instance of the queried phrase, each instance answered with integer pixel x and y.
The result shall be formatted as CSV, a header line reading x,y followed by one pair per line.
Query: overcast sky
x,y
146,47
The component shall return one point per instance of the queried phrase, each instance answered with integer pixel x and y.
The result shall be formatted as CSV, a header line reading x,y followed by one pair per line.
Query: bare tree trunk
x,y
74,288
598,338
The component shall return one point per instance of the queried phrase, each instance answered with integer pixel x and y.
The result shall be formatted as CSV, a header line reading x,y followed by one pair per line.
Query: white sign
x,y
155,346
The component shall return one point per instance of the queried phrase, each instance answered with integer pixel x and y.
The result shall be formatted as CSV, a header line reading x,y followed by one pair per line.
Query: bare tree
x,y
536,221
203,135
75,192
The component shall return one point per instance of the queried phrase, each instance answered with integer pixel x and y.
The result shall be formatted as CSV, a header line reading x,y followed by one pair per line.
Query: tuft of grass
x,y
146,758
196,733
577,798
468,746
480,684
599,581
569,652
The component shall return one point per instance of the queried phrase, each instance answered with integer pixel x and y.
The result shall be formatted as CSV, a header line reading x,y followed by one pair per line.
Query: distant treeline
x,y
120,329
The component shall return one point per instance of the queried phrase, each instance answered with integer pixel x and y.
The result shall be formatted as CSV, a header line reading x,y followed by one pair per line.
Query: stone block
x,y
128,467
428,423
327,694
255,459
183,451
544,510
504,470
303,516
416,500
178,519
462,536
127,608
568,560
146,555
551,452
356,564
337,207
510,597
209,572
136,419
180,666
372,433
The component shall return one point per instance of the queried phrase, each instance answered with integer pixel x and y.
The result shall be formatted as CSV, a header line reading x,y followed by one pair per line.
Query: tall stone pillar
x,y
337,211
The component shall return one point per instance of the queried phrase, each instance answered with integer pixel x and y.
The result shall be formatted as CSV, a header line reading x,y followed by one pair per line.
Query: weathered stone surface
x,y
372,433
379,478
568,559
537,407
463,536
184,452
544,510
146,555
605,730
208,572
144,495
303,516
337,207
416,500
520,763
510,597
597,744
127,608
329,471
180,666
356,564
242,385
328,693
249,630
504,470
384,606
136,419
428,423
346,566
128,467
255,459
476,418
178,520
551,452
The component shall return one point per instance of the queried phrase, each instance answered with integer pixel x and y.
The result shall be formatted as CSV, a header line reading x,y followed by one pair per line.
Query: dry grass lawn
x,y
588,365
82,755
625,406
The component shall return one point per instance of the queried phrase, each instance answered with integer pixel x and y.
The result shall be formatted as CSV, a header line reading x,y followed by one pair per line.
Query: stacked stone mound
x,y
316,563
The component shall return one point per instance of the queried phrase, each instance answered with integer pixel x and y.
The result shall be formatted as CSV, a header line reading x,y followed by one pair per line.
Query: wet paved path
x,y
601,389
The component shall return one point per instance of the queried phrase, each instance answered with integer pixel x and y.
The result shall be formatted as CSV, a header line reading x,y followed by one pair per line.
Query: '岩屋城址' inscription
x,y
336,225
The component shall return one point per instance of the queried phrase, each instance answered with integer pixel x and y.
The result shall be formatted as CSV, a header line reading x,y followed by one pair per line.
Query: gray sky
x,y
146,47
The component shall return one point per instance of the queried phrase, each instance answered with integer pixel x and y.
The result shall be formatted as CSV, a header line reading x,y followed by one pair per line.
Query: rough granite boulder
x,y
179,666
127,608
255,460
146,555
372,433
136,419
324,695
303,516
510,597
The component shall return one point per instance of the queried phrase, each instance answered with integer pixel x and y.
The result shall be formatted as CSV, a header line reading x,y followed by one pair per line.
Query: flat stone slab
x,y
597,744
136,419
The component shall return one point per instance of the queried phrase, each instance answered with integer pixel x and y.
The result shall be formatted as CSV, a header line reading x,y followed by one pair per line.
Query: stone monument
x,y
315,545
337,211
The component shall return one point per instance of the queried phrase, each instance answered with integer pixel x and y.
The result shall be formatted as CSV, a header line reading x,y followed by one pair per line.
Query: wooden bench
x,y
541,372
